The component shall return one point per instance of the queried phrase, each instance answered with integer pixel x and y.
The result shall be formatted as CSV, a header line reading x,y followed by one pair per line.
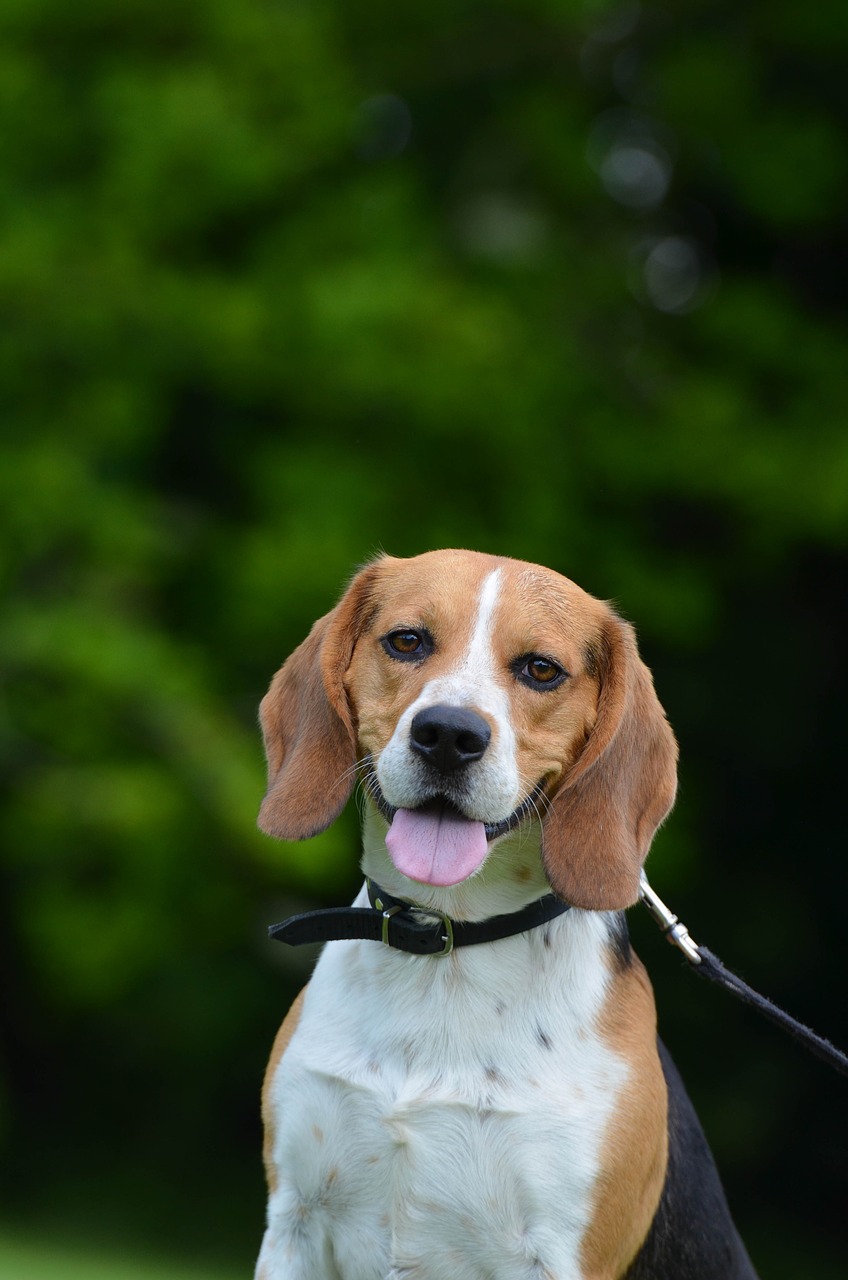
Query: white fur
x,y
444,1117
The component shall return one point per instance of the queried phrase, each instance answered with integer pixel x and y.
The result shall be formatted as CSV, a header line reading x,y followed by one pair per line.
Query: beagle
x,y
500,1109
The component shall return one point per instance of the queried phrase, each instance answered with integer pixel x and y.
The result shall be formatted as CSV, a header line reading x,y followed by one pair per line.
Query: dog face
x,y
473,692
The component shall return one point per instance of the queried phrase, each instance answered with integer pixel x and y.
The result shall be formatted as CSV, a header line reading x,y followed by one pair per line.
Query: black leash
x,y
703,962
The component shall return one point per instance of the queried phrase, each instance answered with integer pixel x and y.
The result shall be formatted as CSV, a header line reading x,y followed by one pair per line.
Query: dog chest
x,y
425,1104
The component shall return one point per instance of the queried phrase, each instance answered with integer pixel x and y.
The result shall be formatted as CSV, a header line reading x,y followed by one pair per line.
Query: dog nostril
x,y
426,735
449,737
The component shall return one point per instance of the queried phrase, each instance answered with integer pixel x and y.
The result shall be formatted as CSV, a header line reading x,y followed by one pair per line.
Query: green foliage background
x,y
284,282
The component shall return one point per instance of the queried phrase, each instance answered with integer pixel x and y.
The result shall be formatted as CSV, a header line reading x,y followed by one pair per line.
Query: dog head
x,y
475,694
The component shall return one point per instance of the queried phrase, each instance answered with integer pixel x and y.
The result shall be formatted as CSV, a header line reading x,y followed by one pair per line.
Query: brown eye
x,y
539,672
406,643
542,671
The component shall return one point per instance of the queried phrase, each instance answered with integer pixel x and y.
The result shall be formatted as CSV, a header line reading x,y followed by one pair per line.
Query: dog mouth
x,y
435,843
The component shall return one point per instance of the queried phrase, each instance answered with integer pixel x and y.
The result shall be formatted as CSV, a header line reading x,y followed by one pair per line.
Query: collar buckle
x,y
388,912
379,900
447,936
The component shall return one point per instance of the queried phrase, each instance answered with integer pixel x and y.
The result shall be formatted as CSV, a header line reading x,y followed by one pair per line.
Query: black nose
x,y
449,737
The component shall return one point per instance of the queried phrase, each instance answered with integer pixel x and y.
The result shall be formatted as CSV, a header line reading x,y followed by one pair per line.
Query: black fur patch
x,y
619,936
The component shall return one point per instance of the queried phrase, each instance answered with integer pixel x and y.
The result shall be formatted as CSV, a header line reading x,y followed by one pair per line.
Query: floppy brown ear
x,y
604,815
310,737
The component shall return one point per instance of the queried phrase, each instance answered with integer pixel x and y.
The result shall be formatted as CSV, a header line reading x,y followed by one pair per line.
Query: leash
x,y
707,965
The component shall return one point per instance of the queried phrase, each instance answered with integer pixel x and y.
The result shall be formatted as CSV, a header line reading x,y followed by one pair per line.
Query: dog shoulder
x,y
692,1236
281,1043
635,1152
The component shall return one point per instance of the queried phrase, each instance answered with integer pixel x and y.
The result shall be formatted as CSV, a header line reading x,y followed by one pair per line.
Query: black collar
x,y
406,927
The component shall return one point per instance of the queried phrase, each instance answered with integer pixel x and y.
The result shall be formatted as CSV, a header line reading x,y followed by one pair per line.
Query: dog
x,y
500,1109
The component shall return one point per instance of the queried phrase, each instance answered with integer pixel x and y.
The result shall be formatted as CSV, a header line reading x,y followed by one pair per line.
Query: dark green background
x,y
283,284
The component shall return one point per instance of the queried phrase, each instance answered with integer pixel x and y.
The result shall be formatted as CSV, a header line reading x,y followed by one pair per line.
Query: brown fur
x,y
308,725
636,1149
620,789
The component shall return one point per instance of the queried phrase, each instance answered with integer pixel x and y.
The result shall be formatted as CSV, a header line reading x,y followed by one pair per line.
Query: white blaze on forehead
x,y
480,649
473,681
493,785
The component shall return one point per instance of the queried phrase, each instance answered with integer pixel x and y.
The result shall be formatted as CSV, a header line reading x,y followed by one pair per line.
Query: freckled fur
x,y
443,1129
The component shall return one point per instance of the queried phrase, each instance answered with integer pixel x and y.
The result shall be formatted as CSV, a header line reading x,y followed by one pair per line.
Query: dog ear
x,y
621,787
307,723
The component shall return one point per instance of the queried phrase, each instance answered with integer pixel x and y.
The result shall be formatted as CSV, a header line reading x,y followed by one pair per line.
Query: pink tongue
x,y
435,845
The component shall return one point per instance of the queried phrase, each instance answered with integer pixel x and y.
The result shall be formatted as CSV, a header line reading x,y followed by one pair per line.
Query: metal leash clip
x,y
668,922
